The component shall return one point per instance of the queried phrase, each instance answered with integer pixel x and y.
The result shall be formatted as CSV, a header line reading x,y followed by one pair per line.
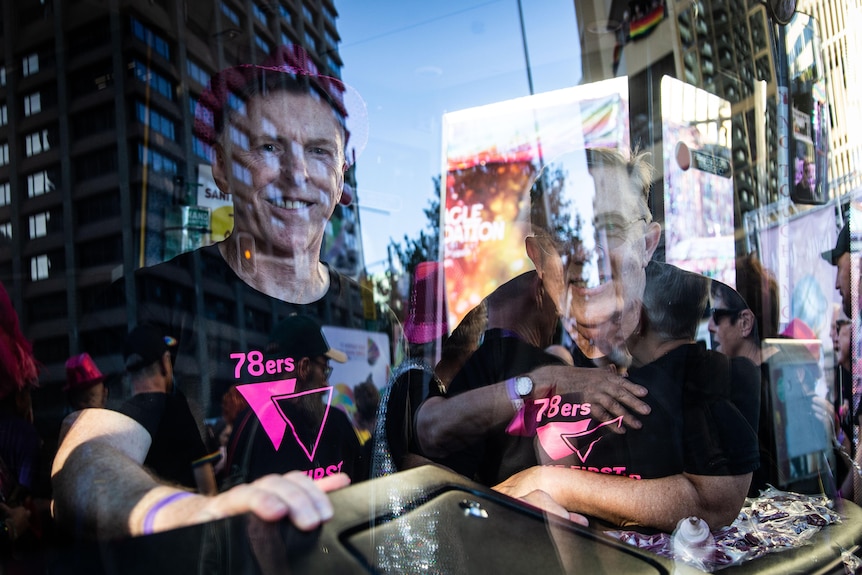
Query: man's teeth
x,y
288,204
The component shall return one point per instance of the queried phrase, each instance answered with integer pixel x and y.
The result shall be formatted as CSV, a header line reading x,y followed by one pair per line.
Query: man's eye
x,y
318,151
268,148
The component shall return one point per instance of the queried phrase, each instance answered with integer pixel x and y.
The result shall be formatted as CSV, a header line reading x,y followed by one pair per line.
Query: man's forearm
x,y
658,503
446,425
98,475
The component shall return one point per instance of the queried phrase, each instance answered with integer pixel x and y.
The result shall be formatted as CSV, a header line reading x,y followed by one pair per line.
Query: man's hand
x,y
609,395
271,498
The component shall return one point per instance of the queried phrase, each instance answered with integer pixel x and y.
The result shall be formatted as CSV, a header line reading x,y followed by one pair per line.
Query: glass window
x,y
5,193
155,41
309,15
230,13
39,225
284,11
4,153
197,72
6,230
36,143
39,183
2,74
156,120
4,117
259,13
156,81
262,44
156,160
30,65
40,267
32,104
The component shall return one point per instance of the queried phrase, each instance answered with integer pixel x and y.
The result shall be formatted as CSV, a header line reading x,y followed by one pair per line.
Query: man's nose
x,y
293,164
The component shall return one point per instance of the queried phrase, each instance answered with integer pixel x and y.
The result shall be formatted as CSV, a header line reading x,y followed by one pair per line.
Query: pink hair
x,y
18,367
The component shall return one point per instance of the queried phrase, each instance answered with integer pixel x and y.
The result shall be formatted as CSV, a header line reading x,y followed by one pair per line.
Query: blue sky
x,y
414,61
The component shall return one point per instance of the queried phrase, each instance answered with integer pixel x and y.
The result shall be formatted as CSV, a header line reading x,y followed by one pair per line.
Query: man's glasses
x,y
327,369
718,313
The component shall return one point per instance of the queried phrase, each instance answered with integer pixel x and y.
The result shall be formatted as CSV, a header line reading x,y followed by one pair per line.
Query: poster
x,y
698,180
491,156
368,359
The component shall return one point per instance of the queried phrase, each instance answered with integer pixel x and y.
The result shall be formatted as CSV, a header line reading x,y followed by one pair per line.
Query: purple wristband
x,y
151,514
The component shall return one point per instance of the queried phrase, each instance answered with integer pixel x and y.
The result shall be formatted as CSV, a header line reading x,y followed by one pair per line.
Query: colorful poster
x,y
491,156
806,283
219,203
698,180
367,356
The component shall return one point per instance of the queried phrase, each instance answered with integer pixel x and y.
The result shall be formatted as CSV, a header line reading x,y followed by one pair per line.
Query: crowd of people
x,y
579,387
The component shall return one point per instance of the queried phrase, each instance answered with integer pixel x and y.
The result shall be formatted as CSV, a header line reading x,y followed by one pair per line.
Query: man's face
x,y
283,161
605,312
727,336
842,283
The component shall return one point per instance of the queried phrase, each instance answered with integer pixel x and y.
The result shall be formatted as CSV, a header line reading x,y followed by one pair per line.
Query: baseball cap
x,y
300,336
82,373
294,61
842,246
144,346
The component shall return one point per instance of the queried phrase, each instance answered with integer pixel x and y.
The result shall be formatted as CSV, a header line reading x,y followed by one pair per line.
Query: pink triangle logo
x,y
263,399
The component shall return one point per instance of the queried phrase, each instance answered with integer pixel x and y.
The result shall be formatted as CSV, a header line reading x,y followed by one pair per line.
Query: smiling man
x,y
279,134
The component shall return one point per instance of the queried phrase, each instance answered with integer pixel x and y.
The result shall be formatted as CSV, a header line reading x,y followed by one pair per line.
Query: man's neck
x,y
296,279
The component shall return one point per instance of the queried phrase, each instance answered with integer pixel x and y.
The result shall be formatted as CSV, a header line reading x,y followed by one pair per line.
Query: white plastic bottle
x,y
693,543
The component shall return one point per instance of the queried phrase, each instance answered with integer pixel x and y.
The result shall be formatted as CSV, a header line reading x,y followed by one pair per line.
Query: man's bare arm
x,y
101,487
446,425
658,503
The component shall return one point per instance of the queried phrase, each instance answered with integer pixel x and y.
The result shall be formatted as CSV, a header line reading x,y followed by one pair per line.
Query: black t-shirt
x,y
176,438
703,419
222,336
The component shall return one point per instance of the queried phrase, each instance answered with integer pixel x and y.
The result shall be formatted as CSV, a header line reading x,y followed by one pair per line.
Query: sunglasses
x,y
327,369
718,313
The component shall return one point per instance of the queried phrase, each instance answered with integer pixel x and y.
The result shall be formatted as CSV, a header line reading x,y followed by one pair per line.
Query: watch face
x,y
524,385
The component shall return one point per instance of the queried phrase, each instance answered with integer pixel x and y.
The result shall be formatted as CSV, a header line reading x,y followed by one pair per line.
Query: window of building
x,y
236,103
97,208
4,153
150,38
30,65
100,252
197,73
4,115
40,267
37,142
93,121
32,104
310,41
202,149
262,44
156,121
40,183
156,81
5,194
284,12
39,225
239,138
156,161
260,14
230,13
95,164
6,230
2,75
241,173
47,307
309,15
329,13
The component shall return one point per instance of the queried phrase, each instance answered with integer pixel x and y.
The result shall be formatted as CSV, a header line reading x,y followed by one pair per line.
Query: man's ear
x,y
535,253
746,322
652,238
220,169
303,368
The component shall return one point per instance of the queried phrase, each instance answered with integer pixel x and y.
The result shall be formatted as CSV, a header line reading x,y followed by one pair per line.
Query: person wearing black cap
x,y
177,453
839,256
291,423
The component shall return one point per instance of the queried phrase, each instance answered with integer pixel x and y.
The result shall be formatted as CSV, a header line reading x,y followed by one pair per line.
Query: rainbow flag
x,y
641,27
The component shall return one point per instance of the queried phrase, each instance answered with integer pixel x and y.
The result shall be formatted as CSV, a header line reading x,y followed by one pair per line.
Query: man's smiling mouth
x,y
286,204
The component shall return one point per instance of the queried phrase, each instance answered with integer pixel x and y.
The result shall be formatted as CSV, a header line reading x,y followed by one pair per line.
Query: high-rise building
x,y
100,172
